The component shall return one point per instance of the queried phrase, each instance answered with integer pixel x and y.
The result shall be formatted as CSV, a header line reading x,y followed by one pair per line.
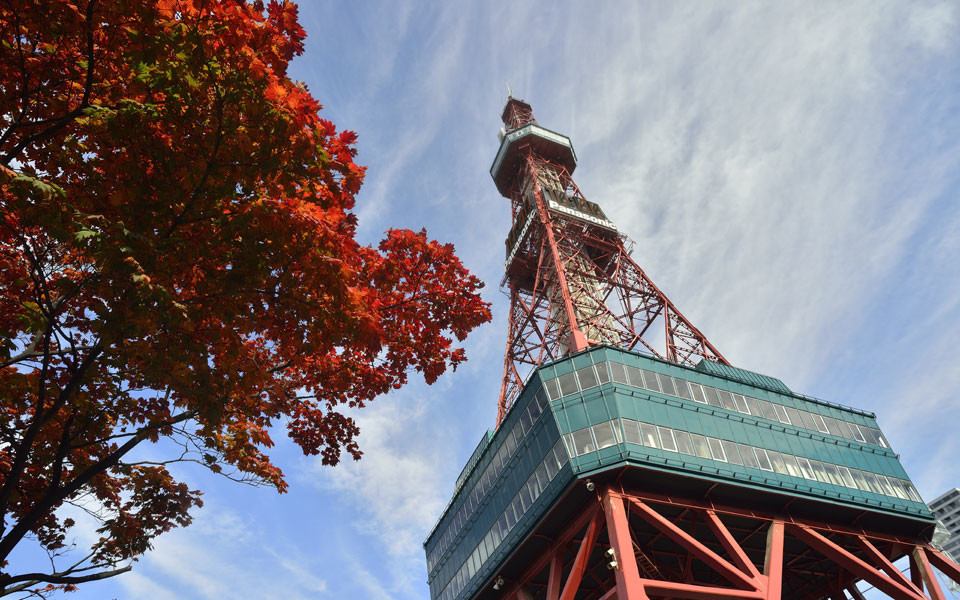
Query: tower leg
x,y
926,572
855,592
554,579
580,562
773,563
618,529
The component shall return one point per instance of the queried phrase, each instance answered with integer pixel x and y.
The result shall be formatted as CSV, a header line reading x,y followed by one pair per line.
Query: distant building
x,y
946,509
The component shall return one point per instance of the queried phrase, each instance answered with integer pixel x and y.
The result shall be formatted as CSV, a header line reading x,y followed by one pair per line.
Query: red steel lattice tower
x,y
569,275
624,471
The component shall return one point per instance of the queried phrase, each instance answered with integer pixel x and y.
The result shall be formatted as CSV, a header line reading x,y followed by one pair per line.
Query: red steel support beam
x,y
683,502
559,543
855,592
929,577
618,530
580,562
696,592
853,564
694,546
773,561
731,545
884,563
915,576
939,560
578,341
556,573
612,592
507,366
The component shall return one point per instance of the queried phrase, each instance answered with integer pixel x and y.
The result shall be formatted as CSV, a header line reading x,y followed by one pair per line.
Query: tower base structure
x,y
631,544
621,475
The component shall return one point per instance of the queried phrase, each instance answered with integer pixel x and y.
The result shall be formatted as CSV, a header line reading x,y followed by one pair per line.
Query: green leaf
x,y
47,190
84,234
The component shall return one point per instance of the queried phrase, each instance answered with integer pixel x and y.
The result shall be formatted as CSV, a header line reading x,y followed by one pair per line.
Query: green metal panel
x,y
582,360
467,531
742,375
614,400
456,541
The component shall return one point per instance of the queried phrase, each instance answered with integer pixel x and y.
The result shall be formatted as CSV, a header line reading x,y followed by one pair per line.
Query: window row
x,y
531,490
536,407
603,435
946,499
594,375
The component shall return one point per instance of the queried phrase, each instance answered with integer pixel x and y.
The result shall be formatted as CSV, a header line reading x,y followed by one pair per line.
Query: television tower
x,y
620,471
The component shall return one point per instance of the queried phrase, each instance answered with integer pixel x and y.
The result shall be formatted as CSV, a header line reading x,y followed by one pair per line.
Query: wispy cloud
x,y
398,489
223,557
753,167
398,483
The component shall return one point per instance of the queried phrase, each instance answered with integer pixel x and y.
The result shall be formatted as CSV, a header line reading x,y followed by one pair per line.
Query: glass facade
x,y
946,508
606,408
524,499
585,441
591,376
456,550
685,420
511,440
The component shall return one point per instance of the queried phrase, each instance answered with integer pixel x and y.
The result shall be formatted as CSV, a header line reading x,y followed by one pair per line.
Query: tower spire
x,y
571,281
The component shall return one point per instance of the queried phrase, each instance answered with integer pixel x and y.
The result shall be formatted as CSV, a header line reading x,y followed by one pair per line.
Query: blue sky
x,y
789,173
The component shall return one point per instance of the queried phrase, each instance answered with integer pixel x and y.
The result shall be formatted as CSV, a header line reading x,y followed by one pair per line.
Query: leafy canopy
x,y
178,262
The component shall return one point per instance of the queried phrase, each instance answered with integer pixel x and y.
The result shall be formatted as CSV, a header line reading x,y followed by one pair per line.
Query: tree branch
x,y
30,352
66,119
57,496
207,171
31,579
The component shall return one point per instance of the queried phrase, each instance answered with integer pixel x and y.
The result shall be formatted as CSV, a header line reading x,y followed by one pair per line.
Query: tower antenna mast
x,y
572,283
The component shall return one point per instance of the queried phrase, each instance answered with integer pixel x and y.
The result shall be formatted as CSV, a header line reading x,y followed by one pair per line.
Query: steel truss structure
x,y
569,276
572,284
631,545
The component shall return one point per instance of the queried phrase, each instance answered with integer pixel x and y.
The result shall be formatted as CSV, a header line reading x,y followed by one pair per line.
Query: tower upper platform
x,y
522,133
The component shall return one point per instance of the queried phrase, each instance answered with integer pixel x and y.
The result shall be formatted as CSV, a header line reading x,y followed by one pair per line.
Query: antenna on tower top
x,y
509,91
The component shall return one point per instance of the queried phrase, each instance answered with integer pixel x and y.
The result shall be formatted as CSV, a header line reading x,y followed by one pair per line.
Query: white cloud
x,y
398,489
140,586
221,556
748,150
400,484
934,25
303,578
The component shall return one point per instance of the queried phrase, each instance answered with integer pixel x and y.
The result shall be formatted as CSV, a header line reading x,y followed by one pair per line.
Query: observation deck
x,y
545,143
